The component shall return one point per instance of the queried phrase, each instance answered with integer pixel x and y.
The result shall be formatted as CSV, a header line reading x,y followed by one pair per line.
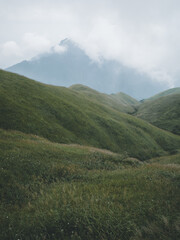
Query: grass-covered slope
x,y
67,116
172,160
120,101
54,191
163,112
165,93
125,99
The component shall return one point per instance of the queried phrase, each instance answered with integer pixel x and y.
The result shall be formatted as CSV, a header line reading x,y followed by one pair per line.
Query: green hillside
x,y
56,191
120,101
67,116
163,112
173,160
124,99
165,93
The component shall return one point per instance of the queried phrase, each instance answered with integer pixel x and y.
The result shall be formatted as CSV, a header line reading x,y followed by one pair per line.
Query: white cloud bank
x,y
140,34
30,45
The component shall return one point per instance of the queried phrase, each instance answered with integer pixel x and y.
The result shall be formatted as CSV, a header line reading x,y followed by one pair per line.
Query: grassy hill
x,y
163,112
120,101
57,191
124,99
173,160
165,93
67,116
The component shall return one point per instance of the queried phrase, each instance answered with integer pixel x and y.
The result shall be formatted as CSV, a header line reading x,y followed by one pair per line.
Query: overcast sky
x,y
142,34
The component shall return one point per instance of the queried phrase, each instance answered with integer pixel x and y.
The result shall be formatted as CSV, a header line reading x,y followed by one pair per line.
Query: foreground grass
x,y
54,191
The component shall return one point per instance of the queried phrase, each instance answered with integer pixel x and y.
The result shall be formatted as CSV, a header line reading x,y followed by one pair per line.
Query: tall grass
x,y
54,191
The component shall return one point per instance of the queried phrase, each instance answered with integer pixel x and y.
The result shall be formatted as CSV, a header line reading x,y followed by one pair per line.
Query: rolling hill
x,y
165,93
120,101
162,110
69,116
62,189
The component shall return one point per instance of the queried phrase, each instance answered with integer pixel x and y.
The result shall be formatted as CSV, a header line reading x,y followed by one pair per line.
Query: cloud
x,y
10,52
35,42
30,45
11,48
59,49
139,34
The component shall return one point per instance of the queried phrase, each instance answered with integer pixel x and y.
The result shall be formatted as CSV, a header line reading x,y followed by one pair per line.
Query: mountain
x,y
68,116
162,110
73,66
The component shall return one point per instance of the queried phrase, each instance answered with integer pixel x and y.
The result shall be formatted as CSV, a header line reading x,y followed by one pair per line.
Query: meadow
x,y
66,191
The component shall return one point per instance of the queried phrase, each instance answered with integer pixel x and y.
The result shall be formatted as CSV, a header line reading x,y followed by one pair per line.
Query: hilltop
x,y
67,116
162,110
165,93
120,101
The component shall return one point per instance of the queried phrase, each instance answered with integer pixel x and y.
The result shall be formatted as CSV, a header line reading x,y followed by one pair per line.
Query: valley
x,y
79,164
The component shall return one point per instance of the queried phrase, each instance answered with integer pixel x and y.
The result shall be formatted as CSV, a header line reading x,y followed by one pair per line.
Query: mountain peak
x,y
67,43
68,64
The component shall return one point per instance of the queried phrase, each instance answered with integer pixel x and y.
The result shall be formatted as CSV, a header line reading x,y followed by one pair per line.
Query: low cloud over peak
x,y
143,35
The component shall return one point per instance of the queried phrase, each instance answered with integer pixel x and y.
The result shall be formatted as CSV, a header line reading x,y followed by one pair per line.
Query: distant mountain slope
x,y
73,66
120,101
67,116
166,93
163,112
124,98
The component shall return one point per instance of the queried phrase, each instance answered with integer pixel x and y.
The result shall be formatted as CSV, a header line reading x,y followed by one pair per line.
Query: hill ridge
x,y
162,111
66,116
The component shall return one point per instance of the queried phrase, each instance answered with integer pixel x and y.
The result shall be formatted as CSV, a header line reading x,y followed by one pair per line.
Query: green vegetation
x,y
57,191
125,99
68,116
173,159
120,101
165,93
59,181
163,112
